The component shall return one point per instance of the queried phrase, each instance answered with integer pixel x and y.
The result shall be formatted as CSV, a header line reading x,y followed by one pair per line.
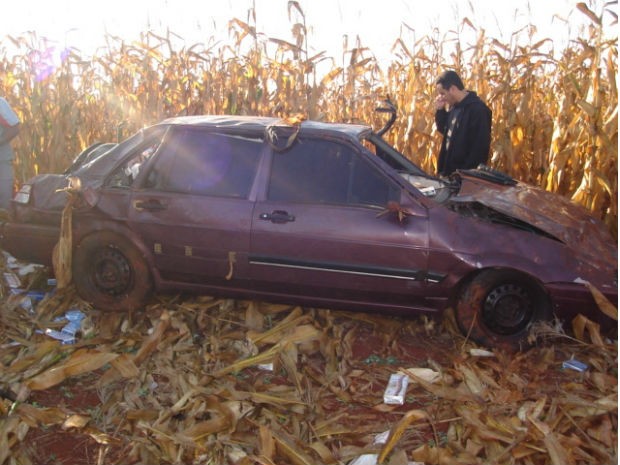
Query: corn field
x,y
555,115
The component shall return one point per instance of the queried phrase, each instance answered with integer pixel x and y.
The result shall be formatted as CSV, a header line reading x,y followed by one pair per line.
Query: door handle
x,y
149,205
277,216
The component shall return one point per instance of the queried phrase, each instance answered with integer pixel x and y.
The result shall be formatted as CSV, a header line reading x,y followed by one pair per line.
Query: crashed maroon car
x,y
319,214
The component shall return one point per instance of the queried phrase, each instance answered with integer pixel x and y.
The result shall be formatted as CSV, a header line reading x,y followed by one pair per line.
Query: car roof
x,y
260,123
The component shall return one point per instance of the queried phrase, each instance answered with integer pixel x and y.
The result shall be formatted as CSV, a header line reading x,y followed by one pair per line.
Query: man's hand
x,y
440,103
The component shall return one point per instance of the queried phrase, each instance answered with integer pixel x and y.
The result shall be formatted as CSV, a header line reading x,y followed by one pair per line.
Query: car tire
x,y
110,273
497,308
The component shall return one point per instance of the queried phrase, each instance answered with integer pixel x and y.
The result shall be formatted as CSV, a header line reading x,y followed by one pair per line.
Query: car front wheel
x,y
111,273
497,308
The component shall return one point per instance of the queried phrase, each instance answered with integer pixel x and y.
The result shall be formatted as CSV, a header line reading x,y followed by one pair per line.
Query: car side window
x,y
324,171
196,162
125,175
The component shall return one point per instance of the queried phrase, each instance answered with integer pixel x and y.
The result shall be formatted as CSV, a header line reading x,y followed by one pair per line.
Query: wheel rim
x,y
508,309
111,271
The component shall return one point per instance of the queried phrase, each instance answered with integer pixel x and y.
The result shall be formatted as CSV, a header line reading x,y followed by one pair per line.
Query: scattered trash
x,y
481,353
396,389
65,338
381,438
20,268
590,399
12,280
576,365
67,334
371,459
27,299
24,270
365,459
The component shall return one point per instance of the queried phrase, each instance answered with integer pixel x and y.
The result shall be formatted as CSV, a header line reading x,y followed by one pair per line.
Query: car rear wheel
x,y
111,273
497,308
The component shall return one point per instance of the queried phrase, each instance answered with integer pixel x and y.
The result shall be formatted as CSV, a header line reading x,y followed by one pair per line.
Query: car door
x,y
192,207
320,228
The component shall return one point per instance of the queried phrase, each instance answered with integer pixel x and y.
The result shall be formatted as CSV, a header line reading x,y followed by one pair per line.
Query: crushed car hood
x,y
551,213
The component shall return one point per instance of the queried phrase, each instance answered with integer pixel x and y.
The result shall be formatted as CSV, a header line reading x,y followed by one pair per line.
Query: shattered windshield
x,y
430,186
101,165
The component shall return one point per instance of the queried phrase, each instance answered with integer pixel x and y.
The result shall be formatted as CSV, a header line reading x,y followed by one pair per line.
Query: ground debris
x,y
184,381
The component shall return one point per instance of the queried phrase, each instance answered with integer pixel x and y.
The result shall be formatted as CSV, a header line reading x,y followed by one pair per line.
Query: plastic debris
x,y
372,459
576,365
21,268
365,459
12,280
381,438
67,335
65,338
481,353
24,270
396,389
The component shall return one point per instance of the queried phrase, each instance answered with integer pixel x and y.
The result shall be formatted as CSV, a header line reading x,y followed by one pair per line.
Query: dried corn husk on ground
x,y
205,380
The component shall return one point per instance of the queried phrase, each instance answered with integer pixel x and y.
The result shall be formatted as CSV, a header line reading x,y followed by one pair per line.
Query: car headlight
x,y
23,195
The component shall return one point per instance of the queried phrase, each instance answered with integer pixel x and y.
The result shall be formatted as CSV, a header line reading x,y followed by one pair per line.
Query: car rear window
x,y
198,162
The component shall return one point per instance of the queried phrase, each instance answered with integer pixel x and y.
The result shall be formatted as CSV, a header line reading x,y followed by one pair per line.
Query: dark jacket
x,y
466,130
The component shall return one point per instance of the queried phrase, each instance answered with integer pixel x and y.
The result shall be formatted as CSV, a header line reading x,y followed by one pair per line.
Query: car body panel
x,y
340,251
554,214
30,242
190,237
416,252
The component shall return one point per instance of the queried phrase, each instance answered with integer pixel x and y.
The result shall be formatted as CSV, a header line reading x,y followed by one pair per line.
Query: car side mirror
x,y
395,208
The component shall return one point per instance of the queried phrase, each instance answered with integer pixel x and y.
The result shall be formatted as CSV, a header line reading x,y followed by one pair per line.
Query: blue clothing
x,y
8,118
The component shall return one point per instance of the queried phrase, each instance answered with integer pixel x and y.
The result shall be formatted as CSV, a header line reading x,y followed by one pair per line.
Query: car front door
x,y
192,208
320,229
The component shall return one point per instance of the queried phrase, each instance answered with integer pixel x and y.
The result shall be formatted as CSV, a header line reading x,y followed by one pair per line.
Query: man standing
x,y
465,122
9,127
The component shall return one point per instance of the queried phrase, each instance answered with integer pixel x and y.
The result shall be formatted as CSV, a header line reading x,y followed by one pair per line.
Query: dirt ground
x,y
57,445
200,380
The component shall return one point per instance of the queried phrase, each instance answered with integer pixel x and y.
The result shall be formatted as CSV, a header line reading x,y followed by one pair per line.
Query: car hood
x,y
552,213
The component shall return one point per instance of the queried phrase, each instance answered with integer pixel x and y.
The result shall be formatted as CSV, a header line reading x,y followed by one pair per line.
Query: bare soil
x,y
321,400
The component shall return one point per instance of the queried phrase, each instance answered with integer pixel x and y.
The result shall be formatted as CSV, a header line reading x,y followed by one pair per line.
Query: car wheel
x,y
111,273
497,308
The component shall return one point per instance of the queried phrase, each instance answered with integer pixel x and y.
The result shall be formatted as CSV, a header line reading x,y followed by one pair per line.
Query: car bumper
x,y
29,242
572,299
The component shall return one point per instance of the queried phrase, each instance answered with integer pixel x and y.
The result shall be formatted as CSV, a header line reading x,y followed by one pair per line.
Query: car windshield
x,y
430,186
101,165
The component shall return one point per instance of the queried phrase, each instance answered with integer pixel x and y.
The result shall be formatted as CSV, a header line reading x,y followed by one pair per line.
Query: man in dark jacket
x,y
465,122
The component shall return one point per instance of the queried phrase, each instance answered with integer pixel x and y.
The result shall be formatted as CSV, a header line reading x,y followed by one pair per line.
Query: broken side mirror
x,y
395,208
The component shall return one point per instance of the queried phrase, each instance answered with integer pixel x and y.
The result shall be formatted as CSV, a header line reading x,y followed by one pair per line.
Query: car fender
x,y
531,265
81,229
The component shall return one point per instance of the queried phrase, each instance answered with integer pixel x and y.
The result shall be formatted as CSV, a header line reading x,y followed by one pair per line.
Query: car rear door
x,y
320,228
192,206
